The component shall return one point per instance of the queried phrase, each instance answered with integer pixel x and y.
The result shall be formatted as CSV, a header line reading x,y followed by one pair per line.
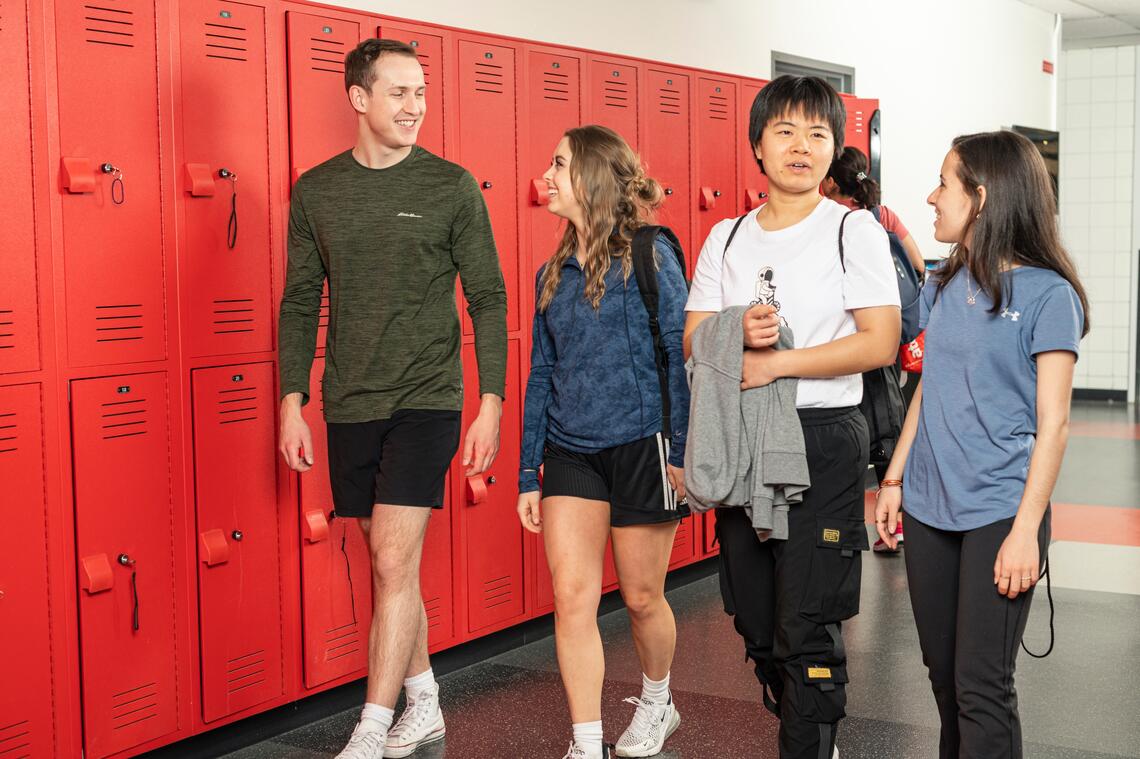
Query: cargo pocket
x,y
833,588
823,698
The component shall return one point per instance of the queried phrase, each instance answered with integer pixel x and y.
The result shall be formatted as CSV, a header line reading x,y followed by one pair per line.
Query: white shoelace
x,y
646,720
365,743
575,752
413,717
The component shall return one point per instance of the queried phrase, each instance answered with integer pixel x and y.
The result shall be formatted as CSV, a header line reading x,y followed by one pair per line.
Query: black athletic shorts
x,y
402,460
630,477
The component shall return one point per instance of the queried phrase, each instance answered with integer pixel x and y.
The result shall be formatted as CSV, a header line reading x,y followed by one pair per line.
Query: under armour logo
x,y
410,215
1013,315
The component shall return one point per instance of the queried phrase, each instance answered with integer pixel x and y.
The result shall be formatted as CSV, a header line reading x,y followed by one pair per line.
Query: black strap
x,y
1052,632
842,261
232,224
731,235
645,269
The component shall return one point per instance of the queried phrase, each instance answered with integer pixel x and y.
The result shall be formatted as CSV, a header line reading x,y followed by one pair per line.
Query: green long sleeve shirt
x,y
390,242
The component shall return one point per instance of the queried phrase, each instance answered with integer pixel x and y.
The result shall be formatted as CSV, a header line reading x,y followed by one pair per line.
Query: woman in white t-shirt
x,y
789,597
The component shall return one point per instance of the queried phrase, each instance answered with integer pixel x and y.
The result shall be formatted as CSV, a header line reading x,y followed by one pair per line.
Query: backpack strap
x,y
842,261
731,235
645,269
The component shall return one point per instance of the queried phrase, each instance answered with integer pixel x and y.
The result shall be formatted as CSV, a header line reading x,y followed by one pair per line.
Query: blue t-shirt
x,y
978,423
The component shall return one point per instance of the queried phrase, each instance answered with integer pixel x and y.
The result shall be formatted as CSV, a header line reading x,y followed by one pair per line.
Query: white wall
x,y
1098,133
938,68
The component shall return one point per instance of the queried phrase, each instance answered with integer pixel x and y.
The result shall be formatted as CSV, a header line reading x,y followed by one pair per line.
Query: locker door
x,y
553,105
321,122
717,138
112,228
493,535
684,542
224,129
857,132
124,522
25,658
613,98
436,576
487,148
666,150
239,567
753,184
19,323
336,570
430,51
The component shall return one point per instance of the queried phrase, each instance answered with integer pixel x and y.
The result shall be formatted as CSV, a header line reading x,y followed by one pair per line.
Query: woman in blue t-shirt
x,y
985,435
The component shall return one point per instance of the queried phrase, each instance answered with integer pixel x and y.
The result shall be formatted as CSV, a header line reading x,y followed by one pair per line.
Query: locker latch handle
x,y
315,527
752,198
77,175
95,573
476,490
708,198
215,549
538,192
199,180
486,185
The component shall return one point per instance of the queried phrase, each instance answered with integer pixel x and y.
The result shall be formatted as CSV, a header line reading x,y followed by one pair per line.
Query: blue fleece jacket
x,y
593,379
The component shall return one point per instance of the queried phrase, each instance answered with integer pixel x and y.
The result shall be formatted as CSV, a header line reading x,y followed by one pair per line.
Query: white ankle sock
x,y
414,686
656,691
381,715
588,735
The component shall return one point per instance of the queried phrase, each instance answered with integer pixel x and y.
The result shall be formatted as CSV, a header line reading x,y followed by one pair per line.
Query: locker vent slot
x,y
245,672
718,107
124,419
134,706
7,326
323,314
118,323
488,78
327,55
434,609
342,641
226,42
497,592
858,119
616,94
669,101
15,739
426,64
233,315
8,435
238,404
109,26
682,536
556,86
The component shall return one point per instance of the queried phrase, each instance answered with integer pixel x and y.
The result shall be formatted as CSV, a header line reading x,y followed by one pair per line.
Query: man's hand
x,y
296,441
482,444
761,326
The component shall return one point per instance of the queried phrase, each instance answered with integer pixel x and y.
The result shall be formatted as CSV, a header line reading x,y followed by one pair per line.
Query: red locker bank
x,y
161,572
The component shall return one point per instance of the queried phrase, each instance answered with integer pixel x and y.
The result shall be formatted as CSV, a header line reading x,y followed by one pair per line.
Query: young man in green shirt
x,y
390,225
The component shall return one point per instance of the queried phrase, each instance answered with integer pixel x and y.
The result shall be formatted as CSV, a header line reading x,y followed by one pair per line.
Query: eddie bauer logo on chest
x,y
410,215
1011,315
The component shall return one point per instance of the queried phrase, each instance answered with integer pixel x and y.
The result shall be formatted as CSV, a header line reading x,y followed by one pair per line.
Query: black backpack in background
x,y
882,405
645,269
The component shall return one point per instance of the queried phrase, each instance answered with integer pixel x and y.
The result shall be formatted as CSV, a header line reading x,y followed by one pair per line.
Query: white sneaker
x,y
577,752
835,752
420,724
367,741
652,724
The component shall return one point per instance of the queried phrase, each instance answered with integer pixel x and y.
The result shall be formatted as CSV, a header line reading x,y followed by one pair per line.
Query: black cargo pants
x,y
788,597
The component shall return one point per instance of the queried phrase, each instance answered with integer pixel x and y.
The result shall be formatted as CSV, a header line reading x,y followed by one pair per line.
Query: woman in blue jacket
x,y
593,422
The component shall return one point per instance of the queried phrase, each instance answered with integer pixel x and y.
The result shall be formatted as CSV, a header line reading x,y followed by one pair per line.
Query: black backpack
x,y
645,269
882,404
909,286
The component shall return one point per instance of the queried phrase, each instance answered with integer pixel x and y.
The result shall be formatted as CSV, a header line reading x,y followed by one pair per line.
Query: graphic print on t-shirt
x,y
765,290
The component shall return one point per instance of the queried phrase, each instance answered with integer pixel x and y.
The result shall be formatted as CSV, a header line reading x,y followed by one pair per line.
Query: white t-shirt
x,y
797,270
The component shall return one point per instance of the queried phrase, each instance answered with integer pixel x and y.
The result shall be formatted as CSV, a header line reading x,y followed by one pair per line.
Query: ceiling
x,y
1095,23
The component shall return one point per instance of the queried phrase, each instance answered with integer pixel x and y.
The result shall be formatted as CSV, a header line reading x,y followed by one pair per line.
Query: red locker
x,y
224,182
109,180
666,150
124,522
753,184
26,722
19,322
321,121
684,542
487,148
553,98
717,138
429,47
336,569
613,97
239,566
493,536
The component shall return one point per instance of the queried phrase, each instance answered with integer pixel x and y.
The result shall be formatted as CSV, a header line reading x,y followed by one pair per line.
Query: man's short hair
x,y
786,95
358,68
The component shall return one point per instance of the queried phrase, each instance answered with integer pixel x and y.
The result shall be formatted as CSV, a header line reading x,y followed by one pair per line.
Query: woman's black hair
x,y
789,94
851,174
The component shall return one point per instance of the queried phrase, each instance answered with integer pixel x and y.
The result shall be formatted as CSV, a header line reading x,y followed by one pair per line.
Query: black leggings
x,y
788,597
969,635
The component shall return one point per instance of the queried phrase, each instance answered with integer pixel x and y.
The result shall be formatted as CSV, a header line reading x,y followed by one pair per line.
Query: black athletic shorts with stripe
x,y
631,478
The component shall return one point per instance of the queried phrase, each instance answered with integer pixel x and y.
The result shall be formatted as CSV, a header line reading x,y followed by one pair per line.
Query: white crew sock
x,y
656,691
588,735
380,715
414,686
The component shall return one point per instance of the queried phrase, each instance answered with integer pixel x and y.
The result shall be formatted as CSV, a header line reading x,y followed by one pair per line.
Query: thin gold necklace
x,y
971,297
